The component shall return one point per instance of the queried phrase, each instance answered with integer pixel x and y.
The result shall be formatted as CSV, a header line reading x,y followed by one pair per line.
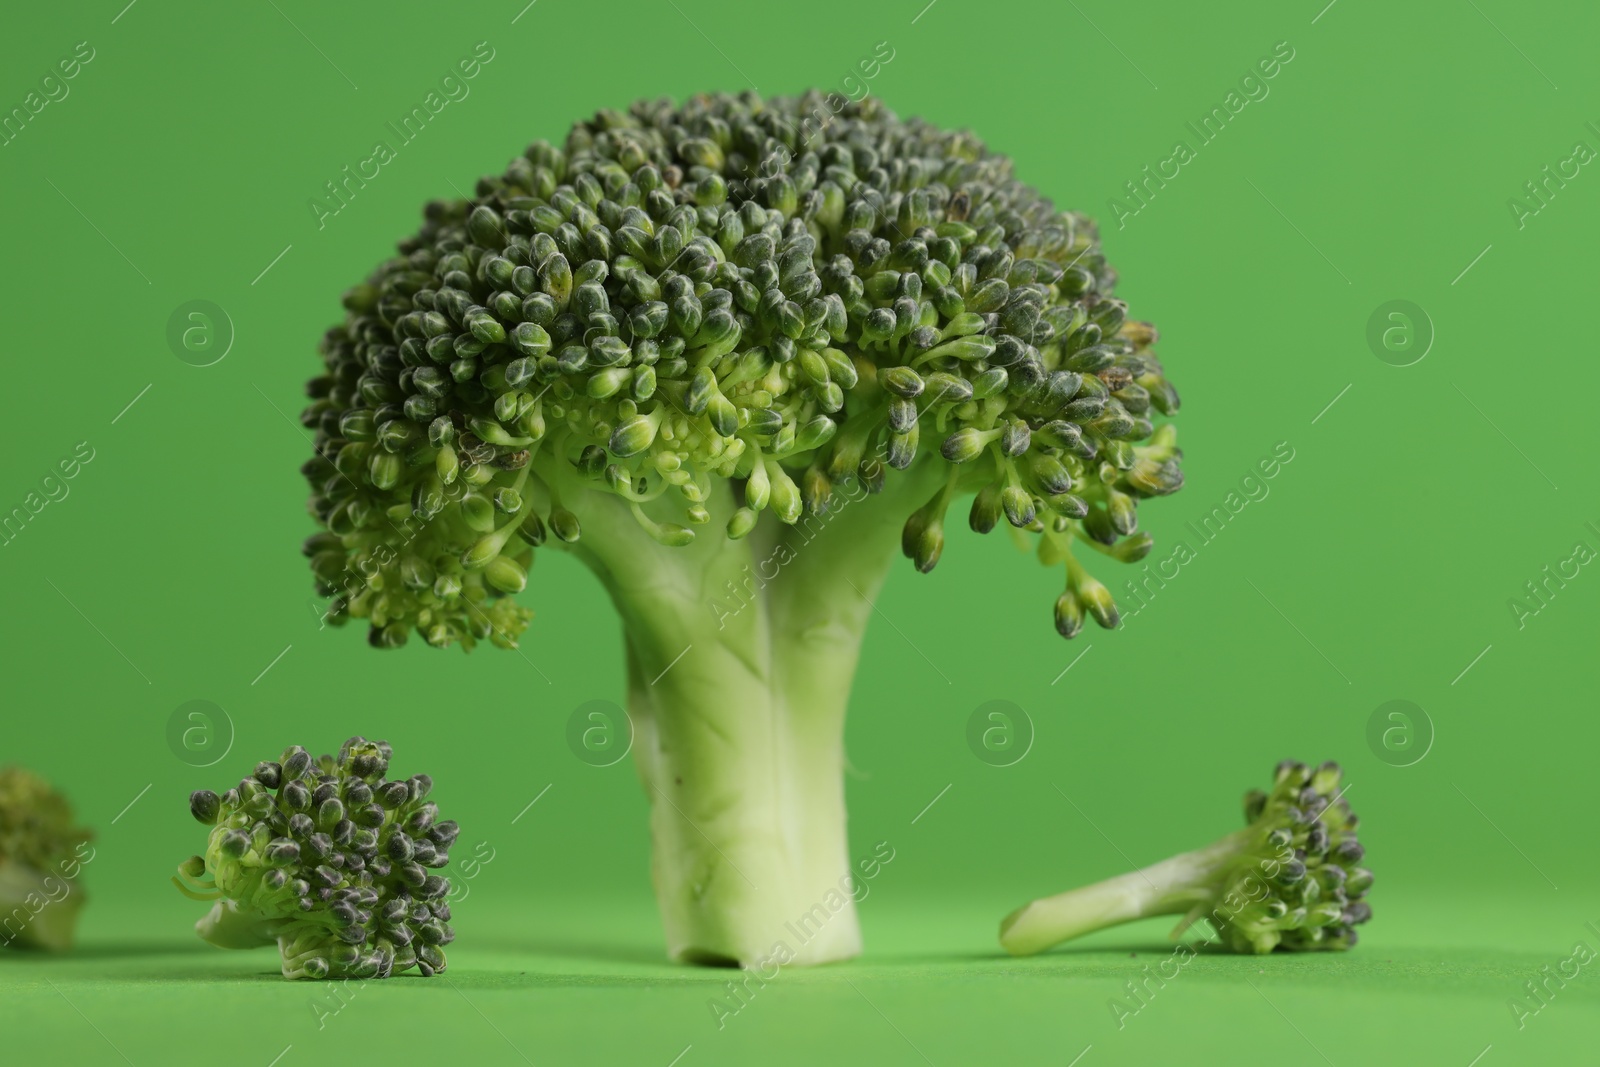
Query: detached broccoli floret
x,y
1290,880
41,853
327,860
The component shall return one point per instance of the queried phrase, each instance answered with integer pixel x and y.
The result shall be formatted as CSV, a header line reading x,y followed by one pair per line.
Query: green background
x,y
1378,567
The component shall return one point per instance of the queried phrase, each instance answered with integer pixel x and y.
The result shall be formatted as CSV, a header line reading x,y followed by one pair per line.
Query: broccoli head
x,y
42,851
729,355
328,861
1291,880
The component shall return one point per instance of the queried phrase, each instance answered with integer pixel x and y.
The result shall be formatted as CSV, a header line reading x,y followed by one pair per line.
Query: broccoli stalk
x,y
42,852
1289,880
327,861
727,365
738,711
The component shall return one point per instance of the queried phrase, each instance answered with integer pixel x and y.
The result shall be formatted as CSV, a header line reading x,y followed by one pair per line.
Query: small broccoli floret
x,y
330,862
1291,880
42,852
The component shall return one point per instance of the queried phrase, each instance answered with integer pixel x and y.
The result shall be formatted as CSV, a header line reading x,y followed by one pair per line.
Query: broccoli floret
x,y
1291,880
730,355
329,862
42,852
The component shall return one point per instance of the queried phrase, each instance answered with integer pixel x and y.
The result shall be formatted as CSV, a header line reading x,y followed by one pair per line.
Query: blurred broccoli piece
x,y
330,862
42,851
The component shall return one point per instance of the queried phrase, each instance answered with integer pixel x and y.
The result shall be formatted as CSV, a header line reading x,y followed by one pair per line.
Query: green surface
x,y
1378,566
588,987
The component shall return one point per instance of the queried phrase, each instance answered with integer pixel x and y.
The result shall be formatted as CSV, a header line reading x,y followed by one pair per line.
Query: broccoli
x,y
1289,880
42,853
727,355
328,861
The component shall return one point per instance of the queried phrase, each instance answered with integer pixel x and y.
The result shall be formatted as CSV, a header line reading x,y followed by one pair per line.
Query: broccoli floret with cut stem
x,y
732,355
328,861
42,852
1291,880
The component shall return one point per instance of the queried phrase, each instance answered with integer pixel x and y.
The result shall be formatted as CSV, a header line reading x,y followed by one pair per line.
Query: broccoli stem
x,y
740,661
1175,886
747,811
227,926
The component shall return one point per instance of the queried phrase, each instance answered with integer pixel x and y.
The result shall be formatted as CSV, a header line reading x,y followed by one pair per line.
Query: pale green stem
x,y
740,661
1174,886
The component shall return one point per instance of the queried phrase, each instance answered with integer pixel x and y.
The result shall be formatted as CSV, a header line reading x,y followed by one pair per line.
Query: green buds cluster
x,y
329,861
722,292
42,850
1298,884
